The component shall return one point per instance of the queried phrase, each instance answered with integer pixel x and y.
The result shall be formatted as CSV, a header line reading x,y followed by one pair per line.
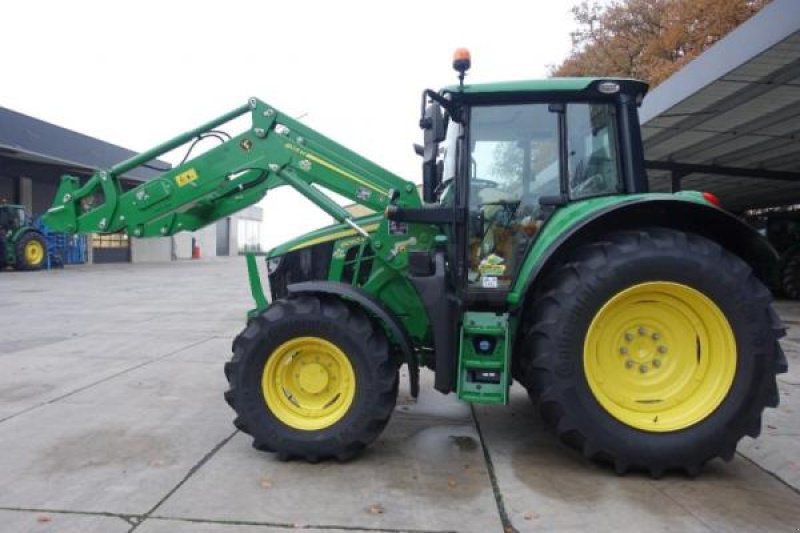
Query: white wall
x,y
151,250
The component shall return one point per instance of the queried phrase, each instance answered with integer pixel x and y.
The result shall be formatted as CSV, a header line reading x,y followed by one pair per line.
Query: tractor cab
x,y
12,217
506,155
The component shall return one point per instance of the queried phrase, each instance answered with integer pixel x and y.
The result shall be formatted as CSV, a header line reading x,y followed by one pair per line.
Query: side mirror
x,y
431,179
433,124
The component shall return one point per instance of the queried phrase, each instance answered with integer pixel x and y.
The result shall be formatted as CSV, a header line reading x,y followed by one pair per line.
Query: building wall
x,y
7,189
151,250
206,238
43,194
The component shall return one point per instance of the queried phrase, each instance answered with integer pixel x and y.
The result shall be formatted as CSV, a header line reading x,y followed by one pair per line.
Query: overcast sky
x,y
137,73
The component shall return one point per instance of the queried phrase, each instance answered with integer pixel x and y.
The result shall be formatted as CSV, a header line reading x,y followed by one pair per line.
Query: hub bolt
x,y
643,369
629,337
623,350
656,336
656,363
662,349
642,331
629,363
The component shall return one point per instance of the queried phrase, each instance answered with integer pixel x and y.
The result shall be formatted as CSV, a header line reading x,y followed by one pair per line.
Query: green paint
x,y
256,289
275,151
549,84
568,216
490,329
328,233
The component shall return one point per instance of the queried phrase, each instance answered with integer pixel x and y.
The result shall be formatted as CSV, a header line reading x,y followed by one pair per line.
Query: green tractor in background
x,y
783,232
639,323
22,246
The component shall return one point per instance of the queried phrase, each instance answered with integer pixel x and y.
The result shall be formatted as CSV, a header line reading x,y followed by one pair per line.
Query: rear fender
x,y
662,211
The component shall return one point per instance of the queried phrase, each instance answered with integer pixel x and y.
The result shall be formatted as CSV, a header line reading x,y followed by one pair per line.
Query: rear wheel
x,y
652,350
31,251
790,275
312,377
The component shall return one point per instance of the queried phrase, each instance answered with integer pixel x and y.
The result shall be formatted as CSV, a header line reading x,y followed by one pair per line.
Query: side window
x,y
593,160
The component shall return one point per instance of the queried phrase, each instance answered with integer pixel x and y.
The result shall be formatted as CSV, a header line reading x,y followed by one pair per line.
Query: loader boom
x,y
276,150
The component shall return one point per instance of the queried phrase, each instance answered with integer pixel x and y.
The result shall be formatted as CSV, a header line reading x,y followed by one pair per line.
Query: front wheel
x,y
652,350
312,377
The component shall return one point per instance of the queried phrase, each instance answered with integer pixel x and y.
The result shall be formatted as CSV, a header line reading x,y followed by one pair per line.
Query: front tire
x,y
312,377
652,350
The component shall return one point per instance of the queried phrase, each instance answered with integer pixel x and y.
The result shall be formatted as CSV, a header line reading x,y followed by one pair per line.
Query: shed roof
x,y
728,122
28,138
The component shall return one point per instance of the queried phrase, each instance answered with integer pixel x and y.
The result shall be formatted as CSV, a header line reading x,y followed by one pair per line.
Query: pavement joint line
x,y
197,466
508,527
129,518
297,527
659,486
103,380
794,489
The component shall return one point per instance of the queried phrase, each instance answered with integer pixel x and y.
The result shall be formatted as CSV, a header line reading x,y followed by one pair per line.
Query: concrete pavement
x,y
112,419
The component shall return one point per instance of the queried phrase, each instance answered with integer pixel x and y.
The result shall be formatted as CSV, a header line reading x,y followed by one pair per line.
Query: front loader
x,y
639,323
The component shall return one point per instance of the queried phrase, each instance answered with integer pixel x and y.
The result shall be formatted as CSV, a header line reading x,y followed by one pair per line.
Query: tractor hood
x,y
328,233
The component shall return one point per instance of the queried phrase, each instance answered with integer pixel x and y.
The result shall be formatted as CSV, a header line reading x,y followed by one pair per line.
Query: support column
x,y
25,193
676,180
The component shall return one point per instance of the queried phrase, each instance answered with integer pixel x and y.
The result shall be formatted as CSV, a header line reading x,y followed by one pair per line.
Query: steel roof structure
x,y
729,121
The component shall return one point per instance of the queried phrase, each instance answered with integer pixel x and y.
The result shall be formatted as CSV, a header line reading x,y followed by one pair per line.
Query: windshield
x,y
11,217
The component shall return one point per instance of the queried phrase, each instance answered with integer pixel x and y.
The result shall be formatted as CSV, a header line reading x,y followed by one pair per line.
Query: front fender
x,y
373,307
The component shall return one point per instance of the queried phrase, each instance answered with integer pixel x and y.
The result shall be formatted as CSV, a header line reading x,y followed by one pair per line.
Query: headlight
x,y
273,263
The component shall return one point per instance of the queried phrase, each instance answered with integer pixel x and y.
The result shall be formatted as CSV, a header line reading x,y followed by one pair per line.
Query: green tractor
x,y
22,246
639,323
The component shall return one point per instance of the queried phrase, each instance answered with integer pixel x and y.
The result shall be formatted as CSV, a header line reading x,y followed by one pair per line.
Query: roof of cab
x,y
545,85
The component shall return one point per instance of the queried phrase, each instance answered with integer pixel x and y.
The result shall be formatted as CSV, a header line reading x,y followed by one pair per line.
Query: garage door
x,y
111,248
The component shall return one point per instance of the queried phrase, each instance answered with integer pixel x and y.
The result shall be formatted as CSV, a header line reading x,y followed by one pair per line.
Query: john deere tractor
x,y
22,246
638,323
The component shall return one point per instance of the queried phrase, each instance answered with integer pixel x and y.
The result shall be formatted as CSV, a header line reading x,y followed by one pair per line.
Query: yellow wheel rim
x,y
308,383
660,356
34,252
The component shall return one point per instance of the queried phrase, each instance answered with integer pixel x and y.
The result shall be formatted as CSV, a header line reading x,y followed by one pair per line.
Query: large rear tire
x,y
312,377
652,350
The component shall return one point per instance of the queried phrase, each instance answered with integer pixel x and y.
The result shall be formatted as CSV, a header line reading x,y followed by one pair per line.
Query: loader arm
x,y
276,150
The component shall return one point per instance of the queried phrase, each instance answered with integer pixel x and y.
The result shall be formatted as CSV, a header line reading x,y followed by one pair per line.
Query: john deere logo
x,y
246,145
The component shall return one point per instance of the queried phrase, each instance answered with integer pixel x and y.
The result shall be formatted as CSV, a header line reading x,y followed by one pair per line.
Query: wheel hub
x,y
313,378
643,348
